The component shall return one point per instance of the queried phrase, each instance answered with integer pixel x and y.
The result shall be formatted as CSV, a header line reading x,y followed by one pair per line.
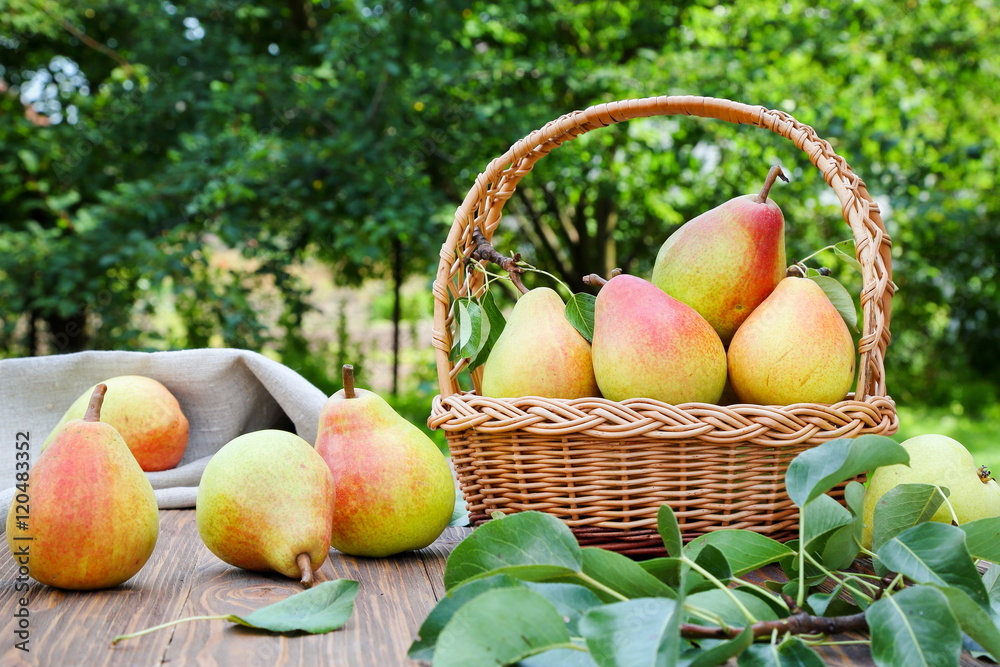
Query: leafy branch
x,y
525,587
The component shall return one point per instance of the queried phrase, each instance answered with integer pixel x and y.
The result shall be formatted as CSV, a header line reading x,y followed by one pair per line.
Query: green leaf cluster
x,y
521,590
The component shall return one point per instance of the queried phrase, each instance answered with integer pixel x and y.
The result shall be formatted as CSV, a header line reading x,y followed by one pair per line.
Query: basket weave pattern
x,y
605,467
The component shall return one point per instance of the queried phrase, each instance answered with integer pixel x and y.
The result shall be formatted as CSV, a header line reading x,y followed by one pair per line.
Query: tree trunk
x,y
397,310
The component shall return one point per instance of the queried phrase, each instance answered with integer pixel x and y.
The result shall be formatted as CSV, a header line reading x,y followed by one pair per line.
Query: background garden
x,y
281,176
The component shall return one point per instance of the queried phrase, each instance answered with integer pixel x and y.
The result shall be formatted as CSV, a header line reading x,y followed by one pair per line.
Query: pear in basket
x,y
648,344
794,348
264,503
539,353
726,261
92,521
394,488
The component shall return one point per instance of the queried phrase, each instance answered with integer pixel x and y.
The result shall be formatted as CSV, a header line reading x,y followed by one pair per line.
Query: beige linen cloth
x,y
223,393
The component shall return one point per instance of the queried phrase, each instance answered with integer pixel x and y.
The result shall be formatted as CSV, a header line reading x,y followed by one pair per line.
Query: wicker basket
x,y
605,467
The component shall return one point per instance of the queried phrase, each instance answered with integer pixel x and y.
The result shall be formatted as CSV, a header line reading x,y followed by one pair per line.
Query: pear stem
x,y
348,372
485,250
93,413
772,176
600,281
305,567
133,635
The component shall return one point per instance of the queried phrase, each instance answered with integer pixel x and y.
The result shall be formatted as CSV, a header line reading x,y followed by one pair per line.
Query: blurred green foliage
x,y
138,138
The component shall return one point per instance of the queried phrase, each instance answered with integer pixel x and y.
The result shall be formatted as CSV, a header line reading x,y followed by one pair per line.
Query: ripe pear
x,y
726,261
265,502
93,520
539,353
794,348
649,344
395,490
942,461
145,413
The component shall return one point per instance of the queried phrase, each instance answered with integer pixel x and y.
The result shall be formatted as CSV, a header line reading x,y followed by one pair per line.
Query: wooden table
x,y
182,578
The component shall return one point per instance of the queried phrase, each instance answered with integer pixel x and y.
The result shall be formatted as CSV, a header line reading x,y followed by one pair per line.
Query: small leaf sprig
x,y
833,288
521,590
323,608
477,320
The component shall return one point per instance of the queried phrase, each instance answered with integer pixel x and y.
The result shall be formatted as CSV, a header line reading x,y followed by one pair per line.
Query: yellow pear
x,y
539,353
942,461
794,348
265,502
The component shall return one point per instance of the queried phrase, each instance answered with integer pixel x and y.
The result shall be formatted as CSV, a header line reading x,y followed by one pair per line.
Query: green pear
x,y
265,502
92,520
726,261
942,461
648,344
145,413
794,348
539,353
395,490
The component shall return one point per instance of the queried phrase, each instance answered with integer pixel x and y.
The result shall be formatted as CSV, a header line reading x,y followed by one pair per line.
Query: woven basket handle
x,y
483,206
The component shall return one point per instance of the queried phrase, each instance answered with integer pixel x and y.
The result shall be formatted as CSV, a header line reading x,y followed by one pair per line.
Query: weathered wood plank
x,y
76,627
394,595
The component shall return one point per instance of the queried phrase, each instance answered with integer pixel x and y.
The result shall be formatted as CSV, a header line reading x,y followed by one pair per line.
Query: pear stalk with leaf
x,y
540,351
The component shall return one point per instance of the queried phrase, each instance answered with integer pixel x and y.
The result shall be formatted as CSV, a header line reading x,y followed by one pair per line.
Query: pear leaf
x,y
904,506
422,647
822,515
914,627
531,545
935,553
463,328
792,652
493,325
974,620
644,631
622,574
580,313
670,531
840,298
745,549
846,251
323,608
817,470
500,627
981,537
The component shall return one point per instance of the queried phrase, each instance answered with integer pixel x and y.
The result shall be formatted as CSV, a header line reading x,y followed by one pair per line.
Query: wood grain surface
x,y
182,578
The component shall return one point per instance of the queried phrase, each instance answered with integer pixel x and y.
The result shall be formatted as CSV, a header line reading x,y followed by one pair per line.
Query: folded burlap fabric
x,y
223,393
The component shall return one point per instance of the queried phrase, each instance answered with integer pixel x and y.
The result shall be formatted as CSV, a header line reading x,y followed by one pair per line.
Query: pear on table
x,y
942,461
265,502
794,348
395,489
726,261
648,344
93,520
539,353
